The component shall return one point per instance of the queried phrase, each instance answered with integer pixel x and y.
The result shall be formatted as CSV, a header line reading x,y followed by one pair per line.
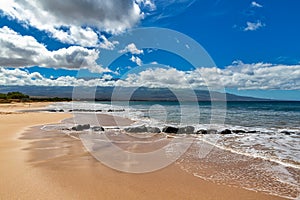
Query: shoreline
x,y
19,180
70,172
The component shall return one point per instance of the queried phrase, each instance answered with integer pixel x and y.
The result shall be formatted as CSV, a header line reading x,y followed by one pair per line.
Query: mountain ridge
x,y
126,94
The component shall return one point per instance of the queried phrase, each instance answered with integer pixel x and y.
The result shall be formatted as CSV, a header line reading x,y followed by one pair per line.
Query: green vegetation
x,y
48,99
20,97
17,95
3,96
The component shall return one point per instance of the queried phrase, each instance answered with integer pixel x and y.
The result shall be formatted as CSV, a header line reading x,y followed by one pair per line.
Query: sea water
x,y
266,159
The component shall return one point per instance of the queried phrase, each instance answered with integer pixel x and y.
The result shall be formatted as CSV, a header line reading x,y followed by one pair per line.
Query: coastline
x,y
18,179
36,166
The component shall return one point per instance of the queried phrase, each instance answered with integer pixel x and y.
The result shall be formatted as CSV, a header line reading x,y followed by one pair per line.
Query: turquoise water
x,y
249,114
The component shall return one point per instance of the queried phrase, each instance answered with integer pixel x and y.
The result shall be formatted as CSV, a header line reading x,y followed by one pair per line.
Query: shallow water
x,y
268,160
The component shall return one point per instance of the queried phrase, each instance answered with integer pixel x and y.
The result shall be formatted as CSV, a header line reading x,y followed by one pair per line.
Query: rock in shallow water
x,y
181,130
142,129
97,128
170,129
287,132
153,130
226,131
238,131
138,129
201,131
81,127
251,131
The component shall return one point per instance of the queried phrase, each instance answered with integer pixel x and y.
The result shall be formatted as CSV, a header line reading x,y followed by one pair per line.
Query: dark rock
x,y
110,110
84,110
137,129
252,132
238,131
81,127
186,130
201,131
97,128
287,132
142,129
170,129
86,126
226,131
61,110
153,130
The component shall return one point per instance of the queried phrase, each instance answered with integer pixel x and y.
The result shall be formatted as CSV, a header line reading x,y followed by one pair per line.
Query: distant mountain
x,y
121,93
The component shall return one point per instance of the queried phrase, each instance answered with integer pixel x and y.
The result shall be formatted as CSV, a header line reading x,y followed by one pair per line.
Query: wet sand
x,y
51,165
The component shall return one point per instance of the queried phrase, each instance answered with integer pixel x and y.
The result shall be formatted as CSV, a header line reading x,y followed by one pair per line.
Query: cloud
x,y
146,4
241,76
256,76
253,26
255,4
70,21
131,48
24,51
164,9
262,76
21,78
155,78
76,35
106,44
136,60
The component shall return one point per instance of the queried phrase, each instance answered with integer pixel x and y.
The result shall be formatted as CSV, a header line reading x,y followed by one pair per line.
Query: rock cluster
x,y
171,130
87,127
142,129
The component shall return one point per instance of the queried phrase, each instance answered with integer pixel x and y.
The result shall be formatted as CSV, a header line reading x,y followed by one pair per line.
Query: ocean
x,y
264,155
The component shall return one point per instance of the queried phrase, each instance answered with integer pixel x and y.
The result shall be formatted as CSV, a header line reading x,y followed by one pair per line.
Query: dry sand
x,y
55,166
8,108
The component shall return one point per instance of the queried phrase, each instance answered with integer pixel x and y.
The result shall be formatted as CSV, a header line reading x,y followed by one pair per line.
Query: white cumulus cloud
x,y
146,4
70,21
25,51
20,77
131,48
106,44
256,76
253,26
156,78
136,60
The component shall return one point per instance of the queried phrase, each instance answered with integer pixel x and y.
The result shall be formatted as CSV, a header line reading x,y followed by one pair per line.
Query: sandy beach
x,y
56,166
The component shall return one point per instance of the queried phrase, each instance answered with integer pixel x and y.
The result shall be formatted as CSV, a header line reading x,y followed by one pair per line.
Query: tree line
x,y
20,97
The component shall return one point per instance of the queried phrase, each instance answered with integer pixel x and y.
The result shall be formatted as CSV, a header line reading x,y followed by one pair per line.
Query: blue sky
x,y
254,45
219,28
